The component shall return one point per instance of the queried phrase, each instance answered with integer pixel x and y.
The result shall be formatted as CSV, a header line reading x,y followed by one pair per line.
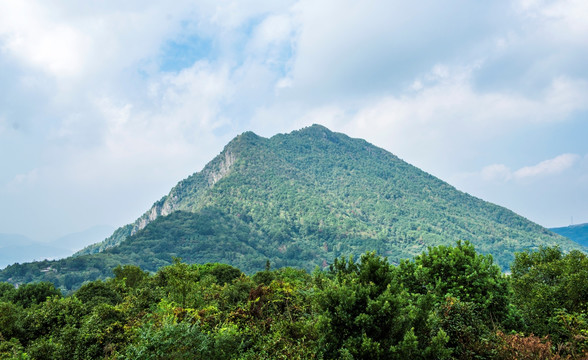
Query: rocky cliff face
x,y
163,207
173,200
181,196
214,175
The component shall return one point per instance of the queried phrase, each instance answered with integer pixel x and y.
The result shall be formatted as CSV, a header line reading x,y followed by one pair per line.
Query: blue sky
x,y
106,105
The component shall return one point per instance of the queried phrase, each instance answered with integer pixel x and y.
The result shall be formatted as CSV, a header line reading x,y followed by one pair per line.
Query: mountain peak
x,y
243,140
315,130
307,197
318,134
248,136
315,127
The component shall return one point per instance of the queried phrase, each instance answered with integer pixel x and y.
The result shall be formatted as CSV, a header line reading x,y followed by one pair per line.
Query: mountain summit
x,y
302,199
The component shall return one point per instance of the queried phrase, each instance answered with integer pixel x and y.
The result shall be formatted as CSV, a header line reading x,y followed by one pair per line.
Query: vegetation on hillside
x,y
301,199
577,233
449,302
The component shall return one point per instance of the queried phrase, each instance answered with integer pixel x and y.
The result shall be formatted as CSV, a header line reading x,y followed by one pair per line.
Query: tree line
x,y
449,302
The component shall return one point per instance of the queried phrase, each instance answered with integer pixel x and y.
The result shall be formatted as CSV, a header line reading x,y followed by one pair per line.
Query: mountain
x,y
19,248
11,239
77,241
16,248
577,233
299,199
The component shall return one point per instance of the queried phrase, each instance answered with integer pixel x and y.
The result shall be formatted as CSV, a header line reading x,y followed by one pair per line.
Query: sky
x,y
105,105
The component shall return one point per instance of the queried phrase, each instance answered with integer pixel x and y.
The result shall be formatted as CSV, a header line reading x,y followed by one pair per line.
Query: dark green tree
x,y
98,292
551,290
458,271
366,314
132,276
35,293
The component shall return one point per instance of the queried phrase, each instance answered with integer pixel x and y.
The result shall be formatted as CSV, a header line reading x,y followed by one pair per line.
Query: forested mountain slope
x,y
300,199
577,233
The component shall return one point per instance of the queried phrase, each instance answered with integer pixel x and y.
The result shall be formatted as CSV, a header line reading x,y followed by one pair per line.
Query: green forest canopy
x,y
449,302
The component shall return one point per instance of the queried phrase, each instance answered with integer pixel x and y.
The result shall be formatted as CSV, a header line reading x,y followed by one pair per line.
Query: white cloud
x,y
565,20
29,34
496,172
86,79
433,124
548,167
274,29
177,126
438,122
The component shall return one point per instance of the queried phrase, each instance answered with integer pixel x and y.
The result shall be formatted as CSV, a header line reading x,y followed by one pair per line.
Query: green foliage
x,y
366,314
98,292
11,316
131,276
466,329
179,281
12,350
54,316
101,332
444,304
6,291
222,273
264,277
301,200
458,271
35,293
164,337
551,289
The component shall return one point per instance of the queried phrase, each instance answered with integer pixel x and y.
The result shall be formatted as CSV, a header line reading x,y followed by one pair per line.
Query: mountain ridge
x,y
221,165
19,248
303,199
577,233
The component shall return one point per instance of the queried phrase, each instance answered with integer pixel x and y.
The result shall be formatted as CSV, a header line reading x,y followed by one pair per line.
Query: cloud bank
x,y
112,103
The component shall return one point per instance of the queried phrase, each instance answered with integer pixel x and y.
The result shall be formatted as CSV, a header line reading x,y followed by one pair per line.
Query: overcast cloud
x,y
106,105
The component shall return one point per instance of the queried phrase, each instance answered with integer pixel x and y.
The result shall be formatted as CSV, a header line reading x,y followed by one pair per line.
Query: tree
x,y
551,289
35,293
179,281
10,321
458,271
132,276
7,291
366,314
223,273
98,292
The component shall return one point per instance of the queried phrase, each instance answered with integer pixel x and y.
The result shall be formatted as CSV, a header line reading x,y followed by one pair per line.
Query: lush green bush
x,y
551,289
448,303
460,272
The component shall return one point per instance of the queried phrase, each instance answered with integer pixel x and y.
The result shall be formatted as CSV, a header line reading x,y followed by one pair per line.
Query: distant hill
x,y
577,233
16,248
19,248
79,240
299,199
